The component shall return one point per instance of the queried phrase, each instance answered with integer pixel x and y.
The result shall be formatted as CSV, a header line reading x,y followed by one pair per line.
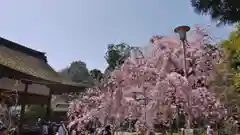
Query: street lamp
x,y
182,31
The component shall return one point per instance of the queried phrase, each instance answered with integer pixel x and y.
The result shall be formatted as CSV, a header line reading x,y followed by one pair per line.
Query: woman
x,y
62,129
209,130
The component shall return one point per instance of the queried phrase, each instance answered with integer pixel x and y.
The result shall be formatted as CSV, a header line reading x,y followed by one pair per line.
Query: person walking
x,y
45,128
62,129
209,130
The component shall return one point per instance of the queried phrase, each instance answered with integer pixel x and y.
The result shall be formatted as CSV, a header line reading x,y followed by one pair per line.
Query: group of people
x,y
49,128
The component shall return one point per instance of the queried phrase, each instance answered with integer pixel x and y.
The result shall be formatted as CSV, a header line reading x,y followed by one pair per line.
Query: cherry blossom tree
x,y
6,114
150,84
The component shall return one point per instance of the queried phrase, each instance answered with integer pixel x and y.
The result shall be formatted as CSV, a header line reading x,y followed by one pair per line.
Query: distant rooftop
x,y
17,47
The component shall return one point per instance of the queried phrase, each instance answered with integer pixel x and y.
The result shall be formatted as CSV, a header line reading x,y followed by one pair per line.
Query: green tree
x,y
230,69
77,72
116,54
96,74
232,48
225,11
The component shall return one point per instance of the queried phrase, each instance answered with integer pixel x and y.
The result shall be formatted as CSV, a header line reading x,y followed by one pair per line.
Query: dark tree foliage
x,y
112,56
224,11
116,54
77,72
96,74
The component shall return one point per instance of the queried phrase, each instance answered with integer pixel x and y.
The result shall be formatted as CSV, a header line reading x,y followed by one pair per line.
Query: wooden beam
x,y
48,111
22,111
28,98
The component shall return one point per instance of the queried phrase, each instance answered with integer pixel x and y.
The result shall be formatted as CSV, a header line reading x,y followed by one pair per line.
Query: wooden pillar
x,y
48,111
23,109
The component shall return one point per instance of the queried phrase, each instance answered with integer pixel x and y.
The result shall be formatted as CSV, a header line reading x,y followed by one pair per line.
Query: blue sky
x,y
69,30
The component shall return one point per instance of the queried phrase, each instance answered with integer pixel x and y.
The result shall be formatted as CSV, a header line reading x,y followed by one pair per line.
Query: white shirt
x,y
208,130
45,129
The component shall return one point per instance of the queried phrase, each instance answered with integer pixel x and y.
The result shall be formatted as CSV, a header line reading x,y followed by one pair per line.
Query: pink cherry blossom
x,y
152,83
